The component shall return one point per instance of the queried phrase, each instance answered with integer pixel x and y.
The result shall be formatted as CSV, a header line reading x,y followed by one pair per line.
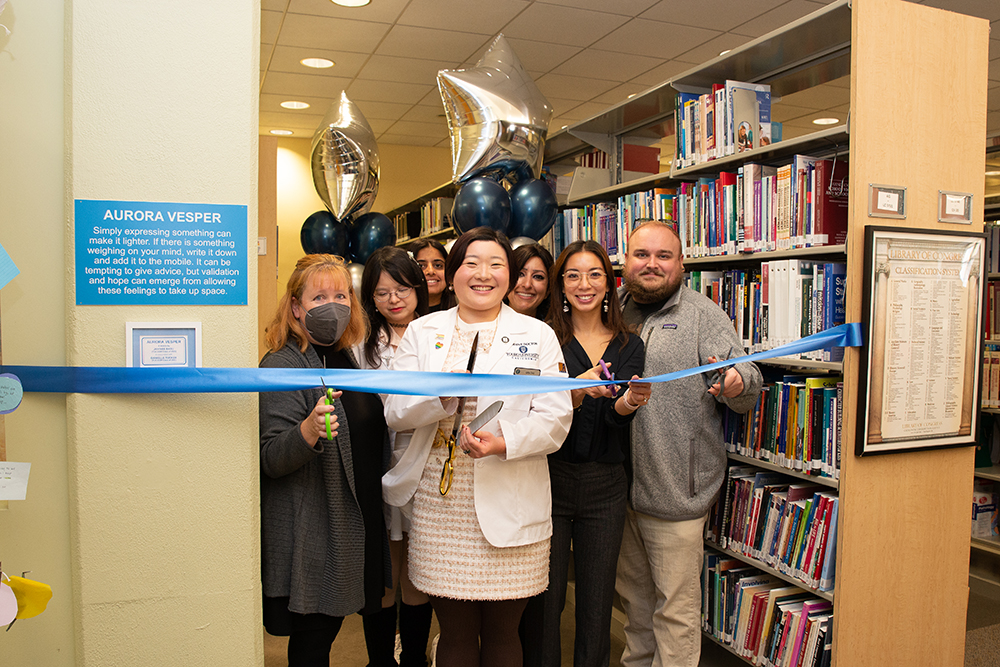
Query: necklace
x,y
397,326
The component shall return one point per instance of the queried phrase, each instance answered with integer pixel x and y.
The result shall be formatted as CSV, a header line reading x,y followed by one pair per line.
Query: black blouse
x,y
599,433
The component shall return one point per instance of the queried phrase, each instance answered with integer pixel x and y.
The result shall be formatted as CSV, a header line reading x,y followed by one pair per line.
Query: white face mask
x,y
326,323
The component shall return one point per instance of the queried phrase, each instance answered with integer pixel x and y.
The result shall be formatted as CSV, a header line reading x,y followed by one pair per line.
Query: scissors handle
x,y
329,401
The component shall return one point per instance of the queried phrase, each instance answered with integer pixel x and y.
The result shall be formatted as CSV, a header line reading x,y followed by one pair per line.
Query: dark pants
x,y
588,512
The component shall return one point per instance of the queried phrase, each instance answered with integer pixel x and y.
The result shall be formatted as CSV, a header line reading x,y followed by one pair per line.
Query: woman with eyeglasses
x,y
324,548
589,487
530,295
480,527
393,294
431,256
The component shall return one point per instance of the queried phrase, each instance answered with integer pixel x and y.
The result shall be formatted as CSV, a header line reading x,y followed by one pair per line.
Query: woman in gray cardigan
x,y
324,547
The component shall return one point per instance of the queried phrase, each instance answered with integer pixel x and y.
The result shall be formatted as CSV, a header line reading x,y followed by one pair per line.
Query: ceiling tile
x,y
274,120
423,114
713,14
317,105
561,106
619,93
379,126
713,48
320,32
444,143
623,7
269,24
994,49
781,113
488,17
407,140
540,56
431,44
994,70
819,97
284,83
274,5
562,25
381,11
984,9
658,75
585,110
993,122
383,110
572,87
432,99
655,38
404,70
619,67
993,98
408,127
387,91
288,59
776,18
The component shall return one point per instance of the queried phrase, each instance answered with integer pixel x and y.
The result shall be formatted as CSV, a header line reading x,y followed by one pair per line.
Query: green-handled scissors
x,y
329,401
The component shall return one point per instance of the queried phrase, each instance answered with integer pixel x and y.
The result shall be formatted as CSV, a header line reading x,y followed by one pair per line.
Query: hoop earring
x,y
565,304
605,302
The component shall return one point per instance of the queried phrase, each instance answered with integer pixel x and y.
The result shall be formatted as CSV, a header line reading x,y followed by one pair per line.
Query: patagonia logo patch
x,y
669,326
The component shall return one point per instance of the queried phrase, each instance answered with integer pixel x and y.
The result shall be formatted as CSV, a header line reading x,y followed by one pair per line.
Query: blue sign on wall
x,y
158,254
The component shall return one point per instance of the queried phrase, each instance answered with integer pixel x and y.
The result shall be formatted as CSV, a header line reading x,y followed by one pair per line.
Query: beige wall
x,y
406,172
142,511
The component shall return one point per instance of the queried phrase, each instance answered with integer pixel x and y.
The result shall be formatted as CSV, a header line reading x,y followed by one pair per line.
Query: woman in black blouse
x,y
589,487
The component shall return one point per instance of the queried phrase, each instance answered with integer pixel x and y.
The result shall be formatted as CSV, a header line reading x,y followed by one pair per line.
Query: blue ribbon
x,y
106,380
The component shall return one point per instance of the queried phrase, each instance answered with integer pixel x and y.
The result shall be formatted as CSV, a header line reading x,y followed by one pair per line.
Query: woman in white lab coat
x,y
481,550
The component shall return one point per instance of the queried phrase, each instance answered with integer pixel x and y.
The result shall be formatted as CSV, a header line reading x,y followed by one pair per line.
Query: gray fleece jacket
x,y
678,449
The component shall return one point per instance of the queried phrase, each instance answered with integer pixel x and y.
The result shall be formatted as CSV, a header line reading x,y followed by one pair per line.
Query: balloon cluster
x,y
345,169
498,120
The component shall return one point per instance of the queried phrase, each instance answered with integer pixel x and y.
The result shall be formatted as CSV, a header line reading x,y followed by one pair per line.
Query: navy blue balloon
x,y
533,208
321,232
370,232
481,203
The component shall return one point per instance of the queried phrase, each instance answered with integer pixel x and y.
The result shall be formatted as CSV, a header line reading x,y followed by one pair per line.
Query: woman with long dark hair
x,y
589,487
394,293
530,295
431,256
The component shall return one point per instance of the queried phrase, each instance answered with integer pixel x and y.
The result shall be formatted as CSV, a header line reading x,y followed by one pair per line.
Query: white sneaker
x,y
434,650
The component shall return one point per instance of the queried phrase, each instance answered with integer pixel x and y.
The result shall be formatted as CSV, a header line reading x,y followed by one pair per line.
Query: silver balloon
x,y
345,161
519,241
356,270
496,115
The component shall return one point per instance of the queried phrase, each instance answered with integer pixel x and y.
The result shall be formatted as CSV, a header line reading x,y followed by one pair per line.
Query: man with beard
x,y
678,457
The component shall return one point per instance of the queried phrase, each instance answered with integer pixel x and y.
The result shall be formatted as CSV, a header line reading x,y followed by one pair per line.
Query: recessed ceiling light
x,y
993,173
351,3
292,104
318,63
632,95
826,121
725,52
281,133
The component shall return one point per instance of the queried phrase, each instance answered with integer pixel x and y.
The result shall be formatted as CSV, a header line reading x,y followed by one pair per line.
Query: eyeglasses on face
x,y
383,295
593,277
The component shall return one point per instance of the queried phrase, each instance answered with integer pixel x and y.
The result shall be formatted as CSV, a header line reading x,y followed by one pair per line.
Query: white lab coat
x,y
512,494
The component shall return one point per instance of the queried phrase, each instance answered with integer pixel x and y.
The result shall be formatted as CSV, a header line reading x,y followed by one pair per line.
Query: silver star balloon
x,y
496,115
345,161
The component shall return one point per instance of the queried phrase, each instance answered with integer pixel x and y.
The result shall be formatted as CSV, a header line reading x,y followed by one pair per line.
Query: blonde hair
x,y
284,324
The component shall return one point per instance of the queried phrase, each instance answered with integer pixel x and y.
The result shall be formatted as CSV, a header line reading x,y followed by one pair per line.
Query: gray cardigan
x,y
678,448
312,532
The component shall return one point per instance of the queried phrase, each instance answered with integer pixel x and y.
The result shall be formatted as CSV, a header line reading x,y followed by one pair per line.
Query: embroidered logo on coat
x,y
669,326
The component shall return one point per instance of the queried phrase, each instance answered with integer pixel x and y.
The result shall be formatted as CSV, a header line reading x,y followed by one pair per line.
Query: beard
x,y
661,292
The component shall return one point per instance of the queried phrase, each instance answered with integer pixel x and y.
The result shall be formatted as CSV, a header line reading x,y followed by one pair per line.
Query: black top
x,y
599,433
366,421
635,313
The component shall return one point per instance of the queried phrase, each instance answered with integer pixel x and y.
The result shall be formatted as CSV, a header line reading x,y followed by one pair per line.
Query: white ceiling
x,y
585,55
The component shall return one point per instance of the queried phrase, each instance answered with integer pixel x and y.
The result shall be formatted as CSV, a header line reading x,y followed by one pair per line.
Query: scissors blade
x,y
484,416
461,402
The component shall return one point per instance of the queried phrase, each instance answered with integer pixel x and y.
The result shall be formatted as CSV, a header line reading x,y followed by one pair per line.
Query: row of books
x,y
732,118
991,376
761,618
779,302
796,424
791,527
760,208
611,223
435,215
992,247
991,321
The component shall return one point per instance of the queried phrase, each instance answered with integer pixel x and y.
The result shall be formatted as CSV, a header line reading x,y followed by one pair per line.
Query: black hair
x,y
402,268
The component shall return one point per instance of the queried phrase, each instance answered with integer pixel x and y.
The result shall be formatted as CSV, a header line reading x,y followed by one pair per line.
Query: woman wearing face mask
x,y
588,473
431,256
480,504
530,295
394,293
324,548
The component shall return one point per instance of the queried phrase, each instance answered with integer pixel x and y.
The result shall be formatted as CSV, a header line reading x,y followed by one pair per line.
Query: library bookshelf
x,y
903,543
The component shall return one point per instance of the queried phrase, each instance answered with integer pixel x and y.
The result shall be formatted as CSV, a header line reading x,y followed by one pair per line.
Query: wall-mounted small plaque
x,y
955,207
886,201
